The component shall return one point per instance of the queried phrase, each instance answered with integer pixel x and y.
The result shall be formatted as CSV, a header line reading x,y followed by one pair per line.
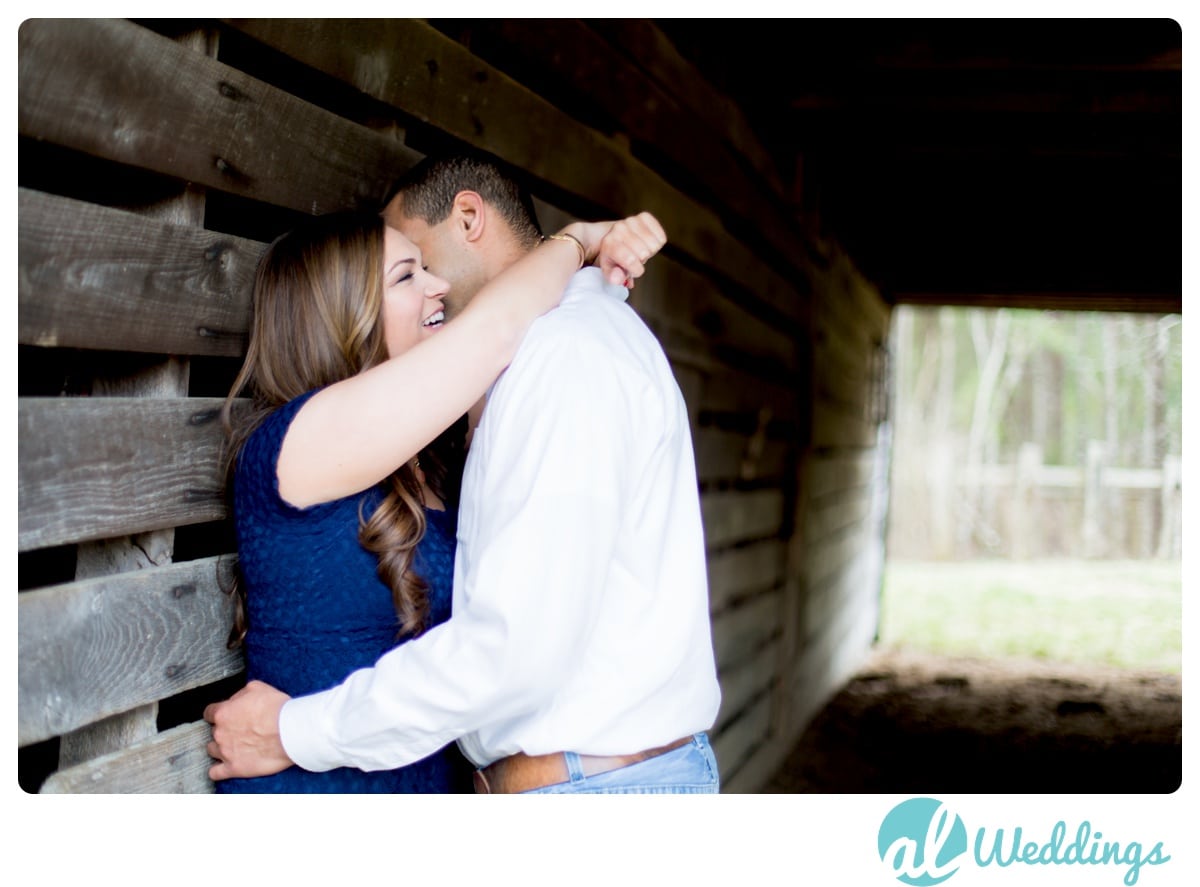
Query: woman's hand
x,y
620,249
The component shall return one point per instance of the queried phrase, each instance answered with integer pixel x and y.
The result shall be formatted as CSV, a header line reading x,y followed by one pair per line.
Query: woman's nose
x,y
436,288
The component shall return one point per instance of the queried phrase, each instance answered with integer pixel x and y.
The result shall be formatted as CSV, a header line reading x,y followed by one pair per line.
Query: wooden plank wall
x,y
155,161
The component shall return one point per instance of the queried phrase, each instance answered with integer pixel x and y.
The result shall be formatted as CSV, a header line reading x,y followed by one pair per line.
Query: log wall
x,y
156,159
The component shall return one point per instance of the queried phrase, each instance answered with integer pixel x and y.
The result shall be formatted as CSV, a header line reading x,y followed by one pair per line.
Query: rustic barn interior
x,y
811,175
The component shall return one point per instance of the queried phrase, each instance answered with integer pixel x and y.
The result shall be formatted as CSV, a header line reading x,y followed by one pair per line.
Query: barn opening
x,y
1031,608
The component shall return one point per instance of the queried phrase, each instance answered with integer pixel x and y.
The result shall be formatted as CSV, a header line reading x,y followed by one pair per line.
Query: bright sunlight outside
x,y
1036,487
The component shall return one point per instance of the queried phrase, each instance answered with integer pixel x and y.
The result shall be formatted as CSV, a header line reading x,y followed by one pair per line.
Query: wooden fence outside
x,y
157,159
1120,512
1028,509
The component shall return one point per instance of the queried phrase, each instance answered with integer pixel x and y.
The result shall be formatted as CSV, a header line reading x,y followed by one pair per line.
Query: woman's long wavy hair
x,y
317,318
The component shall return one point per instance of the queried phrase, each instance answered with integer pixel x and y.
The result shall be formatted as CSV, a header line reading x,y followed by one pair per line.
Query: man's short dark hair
x,y
429,189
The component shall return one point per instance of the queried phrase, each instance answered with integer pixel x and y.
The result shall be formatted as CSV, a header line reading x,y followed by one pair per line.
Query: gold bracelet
x,y
574,240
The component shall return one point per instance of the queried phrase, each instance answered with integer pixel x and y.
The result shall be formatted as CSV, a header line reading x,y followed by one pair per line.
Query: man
x,y
579,655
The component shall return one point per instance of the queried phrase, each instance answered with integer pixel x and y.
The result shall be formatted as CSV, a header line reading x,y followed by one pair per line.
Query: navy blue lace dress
x,y
317,610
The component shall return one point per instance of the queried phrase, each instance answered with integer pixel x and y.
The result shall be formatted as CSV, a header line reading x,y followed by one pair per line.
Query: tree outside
x,y
1036,491
1029,434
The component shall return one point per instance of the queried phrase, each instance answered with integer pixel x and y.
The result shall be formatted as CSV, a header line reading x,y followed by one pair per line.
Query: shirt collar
x,y
586,280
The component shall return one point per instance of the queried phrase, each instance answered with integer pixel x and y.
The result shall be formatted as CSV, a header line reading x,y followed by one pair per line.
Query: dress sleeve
x,y
256,478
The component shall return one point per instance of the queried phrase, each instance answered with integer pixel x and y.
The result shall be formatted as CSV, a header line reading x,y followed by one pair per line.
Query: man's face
x,y
445,253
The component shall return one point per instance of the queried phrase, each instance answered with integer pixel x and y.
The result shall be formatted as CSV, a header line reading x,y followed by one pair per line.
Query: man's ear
x,y
470,215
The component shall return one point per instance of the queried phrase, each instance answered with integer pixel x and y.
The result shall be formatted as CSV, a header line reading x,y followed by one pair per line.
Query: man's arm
x,y
527,592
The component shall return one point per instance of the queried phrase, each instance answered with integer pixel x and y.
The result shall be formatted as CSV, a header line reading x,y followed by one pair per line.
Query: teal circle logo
x,y
921,841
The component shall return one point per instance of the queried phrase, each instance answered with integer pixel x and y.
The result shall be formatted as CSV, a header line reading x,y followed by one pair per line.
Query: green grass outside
x,y
1120,613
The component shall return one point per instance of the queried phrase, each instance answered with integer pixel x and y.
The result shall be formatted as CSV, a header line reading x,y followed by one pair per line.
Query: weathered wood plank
x,y
91,648
819,670
853,299
108,735
834,514
829,555
741,684
93,468
850,357
841,376
738,632
687,302
576,56
830,475
855,585
93,277
832,651
412,67
834,426
847,351
847,320
115,90
105,557
735,516
735,572
727,455
734,746
650,49
731,391
173,762
700,327
169,378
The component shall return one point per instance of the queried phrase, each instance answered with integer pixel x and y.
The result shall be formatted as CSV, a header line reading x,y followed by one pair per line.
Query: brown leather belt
x,y
522,772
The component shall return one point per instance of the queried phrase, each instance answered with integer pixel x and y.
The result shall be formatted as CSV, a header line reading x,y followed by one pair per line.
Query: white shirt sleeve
x,y
528,585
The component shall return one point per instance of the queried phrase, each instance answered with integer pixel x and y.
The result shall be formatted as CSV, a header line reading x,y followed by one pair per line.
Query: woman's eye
x,y
400,280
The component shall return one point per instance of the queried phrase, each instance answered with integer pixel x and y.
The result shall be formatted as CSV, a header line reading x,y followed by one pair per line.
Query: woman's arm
x,y
354,433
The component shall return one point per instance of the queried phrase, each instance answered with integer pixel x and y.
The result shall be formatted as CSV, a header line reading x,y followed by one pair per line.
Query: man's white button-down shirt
x,y
580,618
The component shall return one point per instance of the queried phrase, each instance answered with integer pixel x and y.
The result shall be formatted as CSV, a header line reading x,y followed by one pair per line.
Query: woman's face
x,y
413,306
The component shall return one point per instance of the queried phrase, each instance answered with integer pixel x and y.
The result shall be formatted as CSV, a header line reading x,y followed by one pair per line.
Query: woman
x,y
343,503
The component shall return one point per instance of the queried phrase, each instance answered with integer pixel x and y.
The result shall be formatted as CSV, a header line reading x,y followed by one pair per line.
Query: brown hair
x,y
317,319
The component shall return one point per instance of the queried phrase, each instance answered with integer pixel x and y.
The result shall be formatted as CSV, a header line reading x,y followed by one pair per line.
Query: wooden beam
x,y
91,468
93,277
415,69
173,762
650,48
611,78
94,647
116,90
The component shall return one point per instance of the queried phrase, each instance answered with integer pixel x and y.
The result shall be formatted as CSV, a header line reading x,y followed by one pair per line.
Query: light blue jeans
x,y
688,770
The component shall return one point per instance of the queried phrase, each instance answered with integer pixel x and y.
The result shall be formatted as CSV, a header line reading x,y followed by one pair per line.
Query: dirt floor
x,y
916,723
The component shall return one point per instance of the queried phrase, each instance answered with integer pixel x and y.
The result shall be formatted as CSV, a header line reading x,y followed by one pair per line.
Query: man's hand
x,y
246,733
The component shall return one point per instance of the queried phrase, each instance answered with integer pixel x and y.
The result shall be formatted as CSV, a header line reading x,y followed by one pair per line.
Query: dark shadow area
x,y
915,723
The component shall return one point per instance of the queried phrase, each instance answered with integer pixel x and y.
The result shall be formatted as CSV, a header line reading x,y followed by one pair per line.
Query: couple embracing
x,y
466,508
